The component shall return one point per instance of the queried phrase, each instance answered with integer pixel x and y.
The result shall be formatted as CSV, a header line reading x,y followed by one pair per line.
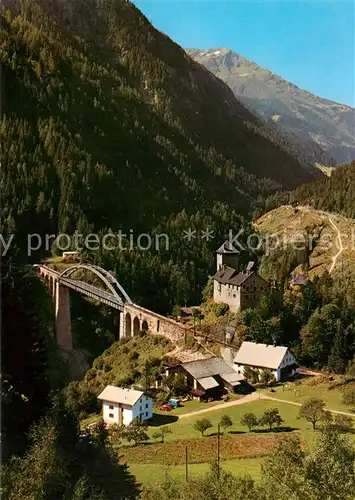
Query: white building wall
x,y
277,373
228,294
142,409
110,412
127,414
287,360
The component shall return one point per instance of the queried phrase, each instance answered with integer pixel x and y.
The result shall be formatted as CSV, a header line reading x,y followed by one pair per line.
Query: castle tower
x,y
227,255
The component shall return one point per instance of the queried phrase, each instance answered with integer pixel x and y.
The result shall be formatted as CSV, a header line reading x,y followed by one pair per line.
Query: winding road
x,y
332,223
341,247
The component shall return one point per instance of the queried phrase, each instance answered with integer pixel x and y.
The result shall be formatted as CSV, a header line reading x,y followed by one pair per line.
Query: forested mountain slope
x,y
322,126
108,124
334,194
103,109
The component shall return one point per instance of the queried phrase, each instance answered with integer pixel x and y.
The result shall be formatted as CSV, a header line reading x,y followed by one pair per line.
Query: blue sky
x,y
309,42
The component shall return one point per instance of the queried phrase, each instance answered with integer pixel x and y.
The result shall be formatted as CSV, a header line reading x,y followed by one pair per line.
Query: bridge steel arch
x,y
107,278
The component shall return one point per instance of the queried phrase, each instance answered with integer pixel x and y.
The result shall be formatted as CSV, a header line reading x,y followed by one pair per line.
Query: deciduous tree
x,y
249,420
203,425
271,418
313,411
161,433
225,422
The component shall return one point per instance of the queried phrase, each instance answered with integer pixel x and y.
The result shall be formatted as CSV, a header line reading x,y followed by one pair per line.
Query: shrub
x,y
316,380
349,395
134,355
80,399
220,309
266,376
344,423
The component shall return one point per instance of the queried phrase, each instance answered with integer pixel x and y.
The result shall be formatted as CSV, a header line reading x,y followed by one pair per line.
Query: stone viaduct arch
x,y
132,317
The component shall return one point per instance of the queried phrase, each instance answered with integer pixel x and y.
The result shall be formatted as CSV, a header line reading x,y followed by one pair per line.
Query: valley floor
x,y
241,451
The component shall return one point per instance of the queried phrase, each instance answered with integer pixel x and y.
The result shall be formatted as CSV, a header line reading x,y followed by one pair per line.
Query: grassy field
x,y
241,451
300,393
194,405
235,447
152,474
184,428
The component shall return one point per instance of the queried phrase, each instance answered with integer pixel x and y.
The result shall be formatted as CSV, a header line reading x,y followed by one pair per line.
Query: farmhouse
x,y
240,290
278,359
121,406
210,377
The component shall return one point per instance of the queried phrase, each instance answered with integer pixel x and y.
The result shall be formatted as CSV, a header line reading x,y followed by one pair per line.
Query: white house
x,y
121,406
278,359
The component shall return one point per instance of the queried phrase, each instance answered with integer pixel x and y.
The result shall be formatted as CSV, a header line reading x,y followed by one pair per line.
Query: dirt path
x,y
332,223
255,396
341,248
245,399
263,396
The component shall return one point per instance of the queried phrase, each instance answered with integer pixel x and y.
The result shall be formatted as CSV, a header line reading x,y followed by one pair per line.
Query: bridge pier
x,y
121,331
62,316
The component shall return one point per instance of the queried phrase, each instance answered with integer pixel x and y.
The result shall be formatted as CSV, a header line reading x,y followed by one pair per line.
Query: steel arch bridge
x,y
116,296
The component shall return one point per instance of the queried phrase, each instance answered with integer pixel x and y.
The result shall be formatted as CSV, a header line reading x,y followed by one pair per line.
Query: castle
x,y
240,290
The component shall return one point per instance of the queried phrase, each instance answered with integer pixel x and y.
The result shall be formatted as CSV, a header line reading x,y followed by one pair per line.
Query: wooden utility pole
x,y
218,450
186,465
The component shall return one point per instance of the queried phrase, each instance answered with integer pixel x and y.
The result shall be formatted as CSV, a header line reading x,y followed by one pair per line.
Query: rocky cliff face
x,y
312,119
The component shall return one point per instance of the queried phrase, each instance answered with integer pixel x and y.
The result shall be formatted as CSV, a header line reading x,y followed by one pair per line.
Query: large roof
x,y
232,378
206,368
228,248
261,355
120,395
231,276
208,382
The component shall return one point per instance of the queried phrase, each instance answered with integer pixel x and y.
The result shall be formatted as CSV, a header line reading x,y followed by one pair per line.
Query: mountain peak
x,y
320,124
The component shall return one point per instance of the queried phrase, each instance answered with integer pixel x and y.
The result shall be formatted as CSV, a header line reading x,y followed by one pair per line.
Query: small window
x,y
146,405
110,407
146,414
111,415
140,408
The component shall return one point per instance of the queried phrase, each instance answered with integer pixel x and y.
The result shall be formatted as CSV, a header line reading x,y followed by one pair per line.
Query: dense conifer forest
x,y
333,194
108,125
